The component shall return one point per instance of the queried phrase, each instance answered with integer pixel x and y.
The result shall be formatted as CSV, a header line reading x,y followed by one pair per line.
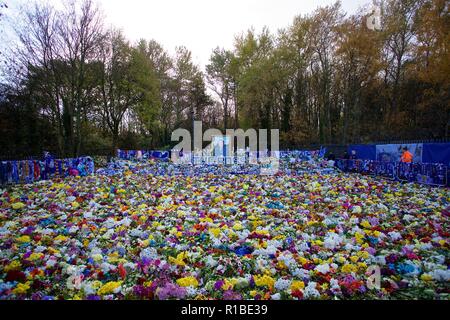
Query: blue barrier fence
x,y
422,152
165,155
29,171
142,154
423,173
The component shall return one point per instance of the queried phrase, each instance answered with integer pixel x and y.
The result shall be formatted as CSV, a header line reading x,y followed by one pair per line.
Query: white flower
x,y
303,247
332,241
126,222
301,273
395,235
73,229
311,291
136,233
47,231
408,217
106,267
357,209
380,260
211,262
74,282
191,291
334,284
130,265
242,283
276,296
88,215
323,268
149,253
282,284
40,249
441,275
50,263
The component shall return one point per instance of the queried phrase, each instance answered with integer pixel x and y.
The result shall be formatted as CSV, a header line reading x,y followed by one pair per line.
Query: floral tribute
x,y
212,236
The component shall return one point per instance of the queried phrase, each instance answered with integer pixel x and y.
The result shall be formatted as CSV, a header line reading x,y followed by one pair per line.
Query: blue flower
x,y
243,250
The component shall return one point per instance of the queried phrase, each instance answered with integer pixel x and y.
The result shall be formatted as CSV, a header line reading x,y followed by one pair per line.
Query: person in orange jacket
x,y
407,156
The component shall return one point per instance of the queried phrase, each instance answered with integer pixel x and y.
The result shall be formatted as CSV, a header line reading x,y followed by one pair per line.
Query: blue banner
x,y
436,153
29,171
364,152
422,173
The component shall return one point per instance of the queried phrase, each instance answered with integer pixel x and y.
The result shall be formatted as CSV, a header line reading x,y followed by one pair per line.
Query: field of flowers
x,y
142,236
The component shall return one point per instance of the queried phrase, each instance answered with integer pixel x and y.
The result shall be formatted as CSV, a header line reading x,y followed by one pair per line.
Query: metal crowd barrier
x,y
433,174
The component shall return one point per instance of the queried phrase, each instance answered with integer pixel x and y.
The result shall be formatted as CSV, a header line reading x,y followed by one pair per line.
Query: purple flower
x,y
171,290
231,295
29,230
142,291
392,258
218,284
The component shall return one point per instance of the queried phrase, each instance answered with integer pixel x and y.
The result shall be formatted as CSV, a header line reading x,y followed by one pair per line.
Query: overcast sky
x,y
200,25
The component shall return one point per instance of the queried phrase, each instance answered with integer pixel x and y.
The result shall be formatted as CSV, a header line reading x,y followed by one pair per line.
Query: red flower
x,y
122,271
15,275
297,294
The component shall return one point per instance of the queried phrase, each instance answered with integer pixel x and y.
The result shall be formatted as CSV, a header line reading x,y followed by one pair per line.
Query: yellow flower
x,y
302,260
75,205
23,239
52,250
264,281
362,265
318,242
354,259
21,288
61,238
18,205
262,232
179,260
426,277
206,220
109,287
359,237
215,231
14,265
366,224
113,257
237,226
187,282
281,265
35,256
348,268
297,285
229,284
363,254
